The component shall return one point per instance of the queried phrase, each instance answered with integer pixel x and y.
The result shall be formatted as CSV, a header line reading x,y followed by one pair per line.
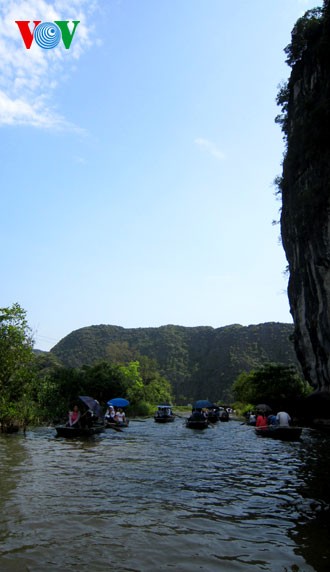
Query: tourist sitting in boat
x,y
120,415
272,420
110,413
261,420
197,420
74,417
198,415
224,415
283,419
252,419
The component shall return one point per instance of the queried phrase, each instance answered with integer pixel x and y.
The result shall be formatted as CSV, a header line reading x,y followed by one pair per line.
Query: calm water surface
x,y
164,497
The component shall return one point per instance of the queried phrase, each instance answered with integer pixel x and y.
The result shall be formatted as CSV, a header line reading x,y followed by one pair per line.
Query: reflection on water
x,y
313,523
12,457
164,497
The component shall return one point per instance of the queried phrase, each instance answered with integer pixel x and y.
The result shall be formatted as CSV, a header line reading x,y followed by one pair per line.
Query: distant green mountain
x,y
200,362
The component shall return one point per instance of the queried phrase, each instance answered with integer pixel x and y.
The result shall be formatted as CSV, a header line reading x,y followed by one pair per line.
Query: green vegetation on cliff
x,y
199,362
305,121
305,189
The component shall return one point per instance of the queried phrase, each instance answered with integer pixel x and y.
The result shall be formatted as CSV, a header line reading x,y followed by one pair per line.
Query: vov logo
x,y
47,34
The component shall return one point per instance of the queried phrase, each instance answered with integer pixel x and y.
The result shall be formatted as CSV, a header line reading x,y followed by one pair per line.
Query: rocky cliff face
x,y
305,187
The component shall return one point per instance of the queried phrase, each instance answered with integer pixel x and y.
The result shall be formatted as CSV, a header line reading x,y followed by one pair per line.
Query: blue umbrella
x,y
118,402
202,403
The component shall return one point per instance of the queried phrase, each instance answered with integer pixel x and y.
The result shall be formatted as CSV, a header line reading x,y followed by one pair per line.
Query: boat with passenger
x,y
284,433
85,424
223,414
111,424
197,420
164,414
213,413
70,432
115,416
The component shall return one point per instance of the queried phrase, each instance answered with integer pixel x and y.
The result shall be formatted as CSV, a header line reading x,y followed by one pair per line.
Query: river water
x,y
163,497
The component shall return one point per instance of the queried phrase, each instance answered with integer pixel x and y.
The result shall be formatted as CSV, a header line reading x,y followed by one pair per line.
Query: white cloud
x,y
22,112
210,148
28,78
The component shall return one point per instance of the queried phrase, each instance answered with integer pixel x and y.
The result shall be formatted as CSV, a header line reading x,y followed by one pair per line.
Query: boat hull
x,y
281,433
197,424
165,419
72,432
113,425
213,418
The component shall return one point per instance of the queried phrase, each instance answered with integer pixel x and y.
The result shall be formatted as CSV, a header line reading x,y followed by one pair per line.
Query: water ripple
x,y
159,498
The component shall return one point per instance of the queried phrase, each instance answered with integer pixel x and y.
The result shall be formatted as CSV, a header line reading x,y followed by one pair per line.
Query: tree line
x,y
276,385
37,388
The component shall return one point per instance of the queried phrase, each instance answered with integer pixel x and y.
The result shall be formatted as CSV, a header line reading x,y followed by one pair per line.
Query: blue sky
x,y
138,166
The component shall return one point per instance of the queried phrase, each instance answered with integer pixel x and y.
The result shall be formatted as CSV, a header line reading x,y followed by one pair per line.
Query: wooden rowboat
x,y
164,414
197,421
71,432
283,433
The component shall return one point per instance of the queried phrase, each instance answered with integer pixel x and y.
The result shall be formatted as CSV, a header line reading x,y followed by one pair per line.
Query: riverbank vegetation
x,y
140,383
37,388
278,386
16,368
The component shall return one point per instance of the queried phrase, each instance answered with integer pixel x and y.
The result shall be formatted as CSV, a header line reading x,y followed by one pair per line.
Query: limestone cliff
x,y
305,188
